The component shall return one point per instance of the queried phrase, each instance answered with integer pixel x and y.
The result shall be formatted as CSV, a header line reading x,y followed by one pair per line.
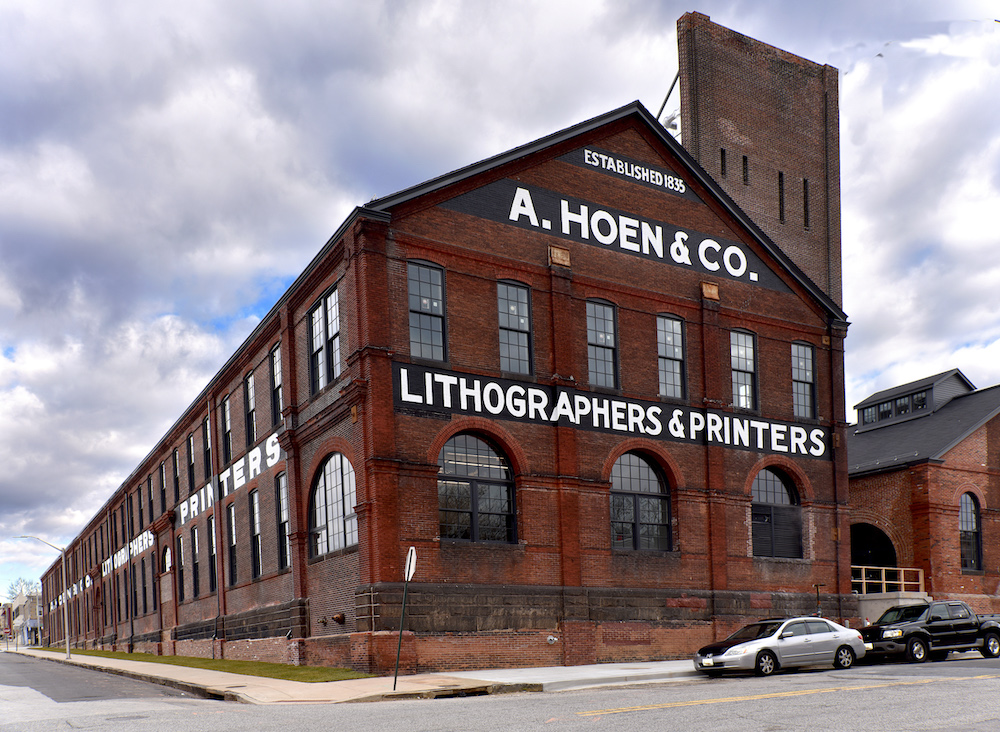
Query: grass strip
x,y
309,674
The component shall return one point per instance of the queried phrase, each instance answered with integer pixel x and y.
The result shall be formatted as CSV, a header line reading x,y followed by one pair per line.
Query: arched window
x,y
475,491
777,516
640,505
969,533
333,524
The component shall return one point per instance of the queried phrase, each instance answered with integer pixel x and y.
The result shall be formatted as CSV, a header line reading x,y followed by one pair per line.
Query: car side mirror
x,y
786,634
937,618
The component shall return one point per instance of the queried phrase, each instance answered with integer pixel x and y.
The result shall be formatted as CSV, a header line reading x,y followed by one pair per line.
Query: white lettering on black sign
x,y
530,207
419,389
625,168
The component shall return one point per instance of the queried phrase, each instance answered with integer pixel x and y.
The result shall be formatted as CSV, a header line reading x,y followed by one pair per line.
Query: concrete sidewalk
x,y
260,690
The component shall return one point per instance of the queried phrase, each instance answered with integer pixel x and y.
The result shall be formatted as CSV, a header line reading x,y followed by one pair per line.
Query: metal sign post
x,y
409,569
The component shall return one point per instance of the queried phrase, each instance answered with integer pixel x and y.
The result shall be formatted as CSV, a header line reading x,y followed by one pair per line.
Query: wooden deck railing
x,y
869,580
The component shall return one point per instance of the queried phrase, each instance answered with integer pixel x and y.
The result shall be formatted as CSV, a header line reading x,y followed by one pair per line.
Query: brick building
x,y
924,487
601,404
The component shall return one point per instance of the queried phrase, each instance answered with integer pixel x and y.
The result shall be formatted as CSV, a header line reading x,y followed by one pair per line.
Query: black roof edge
x,y
636,108
915,385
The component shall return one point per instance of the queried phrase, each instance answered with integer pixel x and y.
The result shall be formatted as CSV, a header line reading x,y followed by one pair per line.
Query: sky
x,y
168,169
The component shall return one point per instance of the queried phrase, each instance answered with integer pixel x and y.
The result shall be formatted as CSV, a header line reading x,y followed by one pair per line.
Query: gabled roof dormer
x,y
911,401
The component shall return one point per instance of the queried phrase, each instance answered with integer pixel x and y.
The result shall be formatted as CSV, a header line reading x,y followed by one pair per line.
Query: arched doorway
x,y
870,547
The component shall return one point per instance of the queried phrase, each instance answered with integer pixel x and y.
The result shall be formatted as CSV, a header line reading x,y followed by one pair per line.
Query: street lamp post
x,y
64,587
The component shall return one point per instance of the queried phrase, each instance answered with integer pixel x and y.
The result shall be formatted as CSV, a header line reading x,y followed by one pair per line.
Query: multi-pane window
x,y
250,409
601,344
324,339
212,571
231,534
277,403
640,505
163,487
149,494
426,302
227,431
333,522
177,476
191,463
180,570
138,499
743,362
776,516
145,587
254,534
514,312
970,538
195,574
206,443
284,545
475,491
803,381
670,351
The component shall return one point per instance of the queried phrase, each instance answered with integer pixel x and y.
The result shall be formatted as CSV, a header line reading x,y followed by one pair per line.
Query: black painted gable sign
x,y
588,222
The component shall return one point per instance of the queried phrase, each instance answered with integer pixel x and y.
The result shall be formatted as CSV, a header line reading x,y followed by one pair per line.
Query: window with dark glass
x,y
149,495
426,303
206,442
195,574
254,534
776,516
743,362
163,487
250,409
284,545
212,557
970,538
227,432
670,351
138,500
333,522
475,491
803,381
145,588
324,339
640,505
177,475
277,402
191,483
514,312
601,344
180,570
231,534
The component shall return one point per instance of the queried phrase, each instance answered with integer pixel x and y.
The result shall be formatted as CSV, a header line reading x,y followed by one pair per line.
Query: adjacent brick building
x,y
924,486
601,404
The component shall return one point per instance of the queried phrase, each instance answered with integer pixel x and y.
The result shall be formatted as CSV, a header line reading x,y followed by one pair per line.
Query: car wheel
x,y
844,658
767,664
991,646
916,650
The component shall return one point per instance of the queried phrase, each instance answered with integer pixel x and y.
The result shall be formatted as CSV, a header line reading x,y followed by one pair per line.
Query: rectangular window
x,y
743,362
746,171
885,410
426,301
805,203
179,564
514,313
781,197
231,533
869,415
145,589
138,500
902,406
191,463
212,578
670,349
195,574
163,487
250,409
722,162
254,534
149,495
227,432
920,400
177,476
803,381
324,335
206,443
284,547
277,403
601,345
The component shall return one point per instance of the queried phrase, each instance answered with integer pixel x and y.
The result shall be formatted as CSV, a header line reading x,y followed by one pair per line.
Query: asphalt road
x,y
959,694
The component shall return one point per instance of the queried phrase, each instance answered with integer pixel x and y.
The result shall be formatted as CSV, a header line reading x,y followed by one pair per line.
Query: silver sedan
x,y
768,645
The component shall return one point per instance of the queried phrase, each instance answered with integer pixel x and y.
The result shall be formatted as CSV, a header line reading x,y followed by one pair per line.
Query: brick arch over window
x,y
656,451
476,490
791,469
489,429
975,490
641,511
775,515
900,542
333,524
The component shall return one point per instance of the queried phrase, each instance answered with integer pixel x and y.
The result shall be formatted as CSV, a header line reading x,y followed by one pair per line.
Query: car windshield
x,y
755,631
902,614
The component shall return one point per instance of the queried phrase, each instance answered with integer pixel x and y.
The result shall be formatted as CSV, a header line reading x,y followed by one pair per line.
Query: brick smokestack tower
x,y
765,124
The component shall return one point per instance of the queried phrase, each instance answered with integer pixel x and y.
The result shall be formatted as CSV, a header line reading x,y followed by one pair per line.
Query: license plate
x,y
707,662
869,646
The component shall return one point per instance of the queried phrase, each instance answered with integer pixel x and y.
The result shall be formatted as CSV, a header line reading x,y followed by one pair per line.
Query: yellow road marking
x,y
779,694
